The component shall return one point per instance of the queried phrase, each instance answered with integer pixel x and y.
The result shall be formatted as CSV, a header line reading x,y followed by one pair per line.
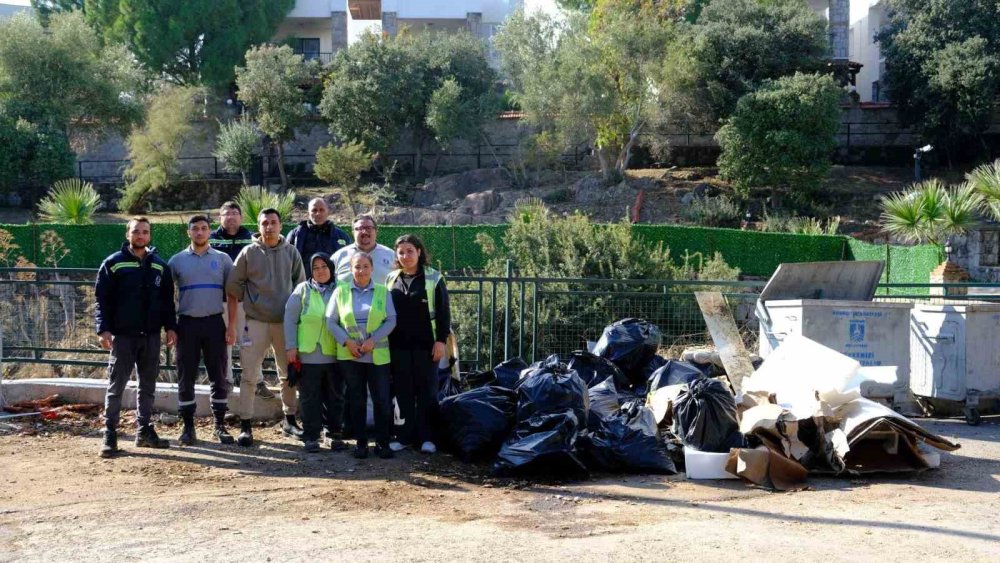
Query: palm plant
x,y
986,181
254,199
70,201
931,212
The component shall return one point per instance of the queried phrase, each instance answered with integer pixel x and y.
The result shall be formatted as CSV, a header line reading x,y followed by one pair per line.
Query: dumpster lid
x,y
851,281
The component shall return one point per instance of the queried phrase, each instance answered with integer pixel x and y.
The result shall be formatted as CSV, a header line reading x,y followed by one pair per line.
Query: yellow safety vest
x,y
312,325
376,316
432,277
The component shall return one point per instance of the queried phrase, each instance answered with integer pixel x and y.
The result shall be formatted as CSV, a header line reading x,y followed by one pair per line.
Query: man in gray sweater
x,y
264,275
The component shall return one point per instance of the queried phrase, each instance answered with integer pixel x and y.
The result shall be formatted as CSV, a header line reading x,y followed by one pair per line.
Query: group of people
x,y
343,319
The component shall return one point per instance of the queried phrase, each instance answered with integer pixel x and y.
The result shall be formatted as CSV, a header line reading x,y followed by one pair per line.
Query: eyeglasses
x,y
365,228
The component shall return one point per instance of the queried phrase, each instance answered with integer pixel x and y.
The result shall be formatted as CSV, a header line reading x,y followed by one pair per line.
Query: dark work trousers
x,y
362,378
316,386
128,352
202,338
333,400
414,384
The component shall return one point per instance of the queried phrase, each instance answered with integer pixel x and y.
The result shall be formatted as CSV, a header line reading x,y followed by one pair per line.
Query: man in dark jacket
x,y
318,234
135,300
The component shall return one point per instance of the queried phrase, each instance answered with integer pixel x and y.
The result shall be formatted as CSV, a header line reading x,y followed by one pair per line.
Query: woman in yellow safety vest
x,y
419,342
360,316
308,342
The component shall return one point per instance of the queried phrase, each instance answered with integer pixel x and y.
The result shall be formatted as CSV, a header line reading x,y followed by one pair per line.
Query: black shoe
x,y
310,446
222,434
147,438
291,428
110,445
188,435
245,438
360,452
383,452
337,445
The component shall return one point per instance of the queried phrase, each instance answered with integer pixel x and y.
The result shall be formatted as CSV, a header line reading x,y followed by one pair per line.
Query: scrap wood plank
x,y
722,328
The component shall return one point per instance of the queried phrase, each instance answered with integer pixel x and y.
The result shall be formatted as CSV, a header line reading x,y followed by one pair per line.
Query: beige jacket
x,y
263,277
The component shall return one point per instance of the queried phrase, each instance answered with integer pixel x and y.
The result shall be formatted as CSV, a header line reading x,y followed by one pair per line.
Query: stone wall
x,y
978,253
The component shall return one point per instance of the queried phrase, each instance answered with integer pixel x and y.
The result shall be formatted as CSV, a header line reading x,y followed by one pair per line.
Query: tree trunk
x,y
243,174
602,159
418,160
281,166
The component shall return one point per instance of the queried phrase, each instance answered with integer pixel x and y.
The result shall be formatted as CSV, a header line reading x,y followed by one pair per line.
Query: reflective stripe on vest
x,y
376,316
431,278
312,325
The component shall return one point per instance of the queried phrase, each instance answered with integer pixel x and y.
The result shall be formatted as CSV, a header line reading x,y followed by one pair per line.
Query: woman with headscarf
x,y
360,316
310,347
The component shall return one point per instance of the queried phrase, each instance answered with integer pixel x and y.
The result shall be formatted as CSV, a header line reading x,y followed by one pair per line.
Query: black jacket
x,y
230,244
413,320
134,297
309,239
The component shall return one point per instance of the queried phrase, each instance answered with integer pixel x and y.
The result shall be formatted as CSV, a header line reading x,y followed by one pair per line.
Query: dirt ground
x,y
59,501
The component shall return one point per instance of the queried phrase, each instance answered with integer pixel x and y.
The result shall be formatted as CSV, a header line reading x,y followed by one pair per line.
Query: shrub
x,y
719,211
235,146
70,201
782,136
782,223
342,166
253,199
931,211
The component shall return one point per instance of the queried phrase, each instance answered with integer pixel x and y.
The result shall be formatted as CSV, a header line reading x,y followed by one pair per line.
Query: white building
x,y
867,18
10,7
320,28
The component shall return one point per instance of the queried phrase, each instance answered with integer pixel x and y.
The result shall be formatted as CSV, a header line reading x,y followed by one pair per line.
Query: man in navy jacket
x,y
135,300
318,234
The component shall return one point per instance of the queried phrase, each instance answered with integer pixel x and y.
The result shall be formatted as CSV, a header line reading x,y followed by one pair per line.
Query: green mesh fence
x,y
454,248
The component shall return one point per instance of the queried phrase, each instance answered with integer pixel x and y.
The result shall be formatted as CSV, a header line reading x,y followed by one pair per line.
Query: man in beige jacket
x,y
264,275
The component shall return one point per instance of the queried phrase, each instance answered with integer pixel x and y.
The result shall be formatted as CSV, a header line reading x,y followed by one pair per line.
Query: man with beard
x,y
365,237
200,274
135,300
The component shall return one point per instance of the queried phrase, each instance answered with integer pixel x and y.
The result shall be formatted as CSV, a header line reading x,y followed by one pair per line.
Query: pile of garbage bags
x,y
622,408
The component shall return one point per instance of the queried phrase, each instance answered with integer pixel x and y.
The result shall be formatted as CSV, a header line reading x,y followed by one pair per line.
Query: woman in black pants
x,y
417,345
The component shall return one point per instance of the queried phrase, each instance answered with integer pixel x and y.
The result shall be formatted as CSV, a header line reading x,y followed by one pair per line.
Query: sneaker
x,y
310,446
109,447
337,445
263,392
428,448
383,452
147,438
245,438
222,434
396,446
360,452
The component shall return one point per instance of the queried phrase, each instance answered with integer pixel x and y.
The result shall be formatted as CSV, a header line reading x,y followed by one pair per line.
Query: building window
x,y
308,47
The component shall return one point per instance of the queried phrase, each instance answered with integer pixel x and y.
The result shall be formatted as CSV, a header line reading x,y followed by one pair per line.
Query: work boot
x,y
291,428
360,451
188,434
383,452
147,438
310,446
245,438
337,445
110,445
263,392
222,434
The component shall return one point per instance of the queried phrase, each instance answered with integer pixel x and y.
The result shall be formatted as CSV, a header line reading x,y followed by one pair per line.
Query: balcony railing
x,y
323,58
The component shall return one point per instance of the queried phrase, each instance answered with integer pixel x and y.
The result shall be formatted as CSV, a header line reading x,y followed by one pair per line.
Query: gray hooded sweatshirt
x,y
263,277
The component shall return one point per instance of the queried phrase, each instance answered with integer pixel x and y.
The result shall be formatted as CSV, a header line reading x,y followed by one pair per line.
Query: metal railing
x,y
47,315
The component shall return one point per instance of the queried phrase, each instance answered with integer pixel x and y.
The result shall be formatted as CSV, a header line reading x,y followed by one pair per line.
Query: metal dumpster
x,y
831,303
955,355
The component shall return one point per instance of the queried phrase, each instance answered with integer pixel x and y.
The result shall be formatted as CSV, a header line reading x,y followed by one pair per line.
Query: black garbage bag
x,y
627,442
705,417
480,379
544,444
674,372
593,369
629,343
447,385
475,424
508,372
551,388
603,399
